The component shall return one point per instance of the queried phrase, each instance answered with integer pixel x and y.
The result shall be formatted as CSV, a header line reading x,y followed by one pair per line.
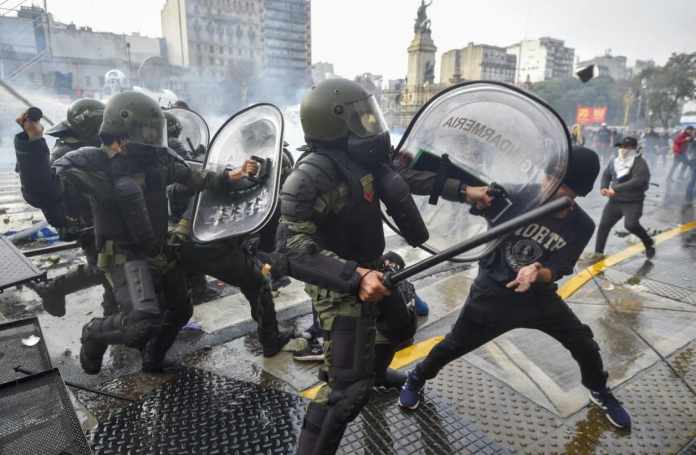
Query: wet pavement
x,y
520,393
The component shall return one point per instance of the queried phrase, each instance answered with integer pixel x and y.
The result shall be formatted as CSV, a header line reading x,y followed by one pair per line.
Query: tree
x,y
567,94
666,88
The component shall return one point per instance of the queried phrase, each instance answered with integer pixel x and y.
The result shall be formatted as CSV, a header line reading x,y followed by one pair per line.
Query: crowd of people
x,y
122,170
659,148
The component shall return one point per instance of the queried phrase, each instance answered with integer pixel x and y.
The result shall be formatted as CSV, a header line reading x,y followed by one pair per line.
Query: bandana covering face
x,y
624,162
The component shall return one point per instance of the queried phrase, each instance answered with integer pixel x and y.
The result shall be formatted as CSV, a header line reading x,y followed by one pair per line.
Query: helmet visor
x,y
151,133
364,118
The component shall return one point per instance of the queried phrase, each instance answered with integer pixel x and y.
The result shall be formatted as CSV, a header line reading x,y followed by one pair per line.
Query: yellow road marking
x,y
422,349
571,286
401,358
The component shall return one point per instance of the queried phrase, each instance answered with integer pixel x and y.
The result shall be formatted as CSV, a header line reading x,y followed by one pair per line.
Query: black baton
x,y
391,279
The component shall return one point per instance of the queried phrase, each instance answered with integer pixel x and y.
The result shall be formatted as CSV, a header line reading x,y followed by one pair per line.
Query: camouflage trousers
x,y
354,352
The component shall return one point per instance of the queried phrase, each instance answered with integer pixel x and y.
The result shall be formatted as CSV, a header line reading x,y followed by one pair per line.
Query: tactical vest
x,y
356,232
110,221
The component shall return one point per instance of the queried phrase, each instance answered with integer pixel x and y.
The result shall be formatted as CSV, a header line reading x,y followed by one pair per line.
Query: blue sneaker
x,y
614,411
412,391
421,307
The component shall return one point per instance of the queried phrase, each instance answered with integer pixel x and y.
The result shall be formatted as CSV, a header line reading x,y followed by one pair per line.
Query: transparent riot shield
x,y
482,133
256,133
194,131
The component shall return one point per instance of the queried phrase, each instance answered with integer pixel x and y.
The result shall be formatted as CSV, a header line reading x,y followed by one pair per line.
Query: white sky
x,y
372,35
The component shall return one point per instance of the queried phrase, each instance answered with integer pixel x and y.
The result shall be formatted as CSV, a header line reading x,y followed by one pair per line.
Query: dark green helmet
x,y
83,120
136,117
337,107
174,126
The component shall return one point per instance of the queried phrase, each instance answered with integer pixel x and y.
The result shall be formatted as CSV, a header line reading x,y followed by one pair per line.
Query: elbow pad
x,y
396,196
325,272
131,201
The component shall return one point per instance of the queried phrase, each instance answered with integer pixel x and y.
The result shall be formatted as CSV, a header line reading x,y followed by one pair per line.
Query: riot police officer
x,y
331,236
174,128
125,180
79,129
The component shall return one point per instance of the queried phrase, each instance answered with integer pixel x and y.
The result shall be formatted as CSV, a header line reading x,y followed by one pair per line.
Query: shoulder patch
x,y
368,186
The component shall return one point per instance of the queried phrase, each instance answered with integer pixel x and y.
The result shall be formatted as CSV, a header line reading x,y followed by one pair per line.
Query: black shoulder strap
x,y
440,179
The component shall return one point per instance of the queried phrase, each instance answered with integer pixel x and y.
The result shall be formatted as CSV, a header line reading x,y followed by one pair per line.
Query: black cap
x,y
628,143
583,168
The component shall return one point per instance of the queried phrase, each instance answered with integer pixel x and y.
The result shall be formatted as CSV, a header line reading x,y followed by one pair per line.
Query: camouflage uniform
x,y
331,224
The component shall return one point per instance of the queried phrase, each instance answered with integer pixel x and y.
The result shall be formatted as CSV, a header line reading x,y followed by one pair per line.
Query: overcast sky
x,y
372,35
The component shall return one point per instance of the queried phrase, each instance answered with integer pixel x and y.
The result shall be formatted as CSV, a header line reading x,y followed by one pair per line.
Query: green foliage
x,y
667,87
565,95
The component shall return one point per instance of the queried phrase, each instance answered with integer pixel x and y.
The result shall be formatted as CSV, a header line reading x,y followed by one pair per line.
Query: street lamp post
x,y
128,52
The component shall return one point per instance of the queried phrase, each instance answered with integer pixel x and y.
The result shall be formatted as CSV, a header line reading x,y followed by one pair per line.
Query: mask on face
x,y
370,151
625,153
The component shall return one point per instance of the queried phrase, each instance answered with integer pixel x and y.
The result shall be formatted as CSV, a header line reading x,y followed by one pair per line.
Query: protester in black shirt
x,y
515,288
624,182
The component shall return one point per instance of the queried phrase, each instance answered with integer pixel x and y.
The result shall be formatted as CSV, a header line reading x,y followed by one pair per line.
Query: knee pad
x,y
352,350
345,403
138,328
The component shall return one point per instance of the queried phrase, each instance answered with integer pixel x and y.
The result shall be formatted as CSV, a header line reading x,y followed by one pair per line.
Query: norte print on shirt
x,y
530,244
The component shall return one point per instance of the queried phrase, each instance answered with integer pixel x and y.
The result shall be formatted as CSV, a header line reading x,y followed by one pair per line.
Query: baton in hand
x,y
391,279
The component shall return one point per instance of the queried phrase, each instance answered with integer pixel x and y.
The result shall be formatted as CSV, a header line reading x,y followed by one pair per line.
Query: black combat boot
x,y
155,351
311,428
53,292
385,377
93,347
272,340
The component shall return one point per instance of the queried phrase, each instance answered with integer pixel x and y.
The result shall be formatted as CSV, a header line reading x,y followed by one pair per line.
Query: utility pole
x,y
130,70
49,45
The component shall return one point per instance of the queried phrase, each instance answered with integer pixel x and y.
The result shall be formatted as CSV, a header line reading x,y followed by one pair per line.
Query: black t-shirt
x,y
556,243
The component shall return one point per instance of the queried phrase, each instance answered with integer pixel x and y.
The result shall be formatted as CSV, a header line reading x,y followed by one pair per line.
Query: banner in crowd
x,y
589,115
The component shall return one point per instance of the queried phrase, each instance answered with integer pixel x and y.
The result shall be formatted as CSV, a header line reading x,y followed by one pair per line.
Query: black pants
x,y
613,212
231,264
475,327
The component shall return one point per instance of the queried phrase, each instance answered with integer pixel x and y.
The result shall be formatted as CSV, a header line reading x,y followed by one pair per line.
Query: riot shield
x,y
482,133
256,133
194,130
